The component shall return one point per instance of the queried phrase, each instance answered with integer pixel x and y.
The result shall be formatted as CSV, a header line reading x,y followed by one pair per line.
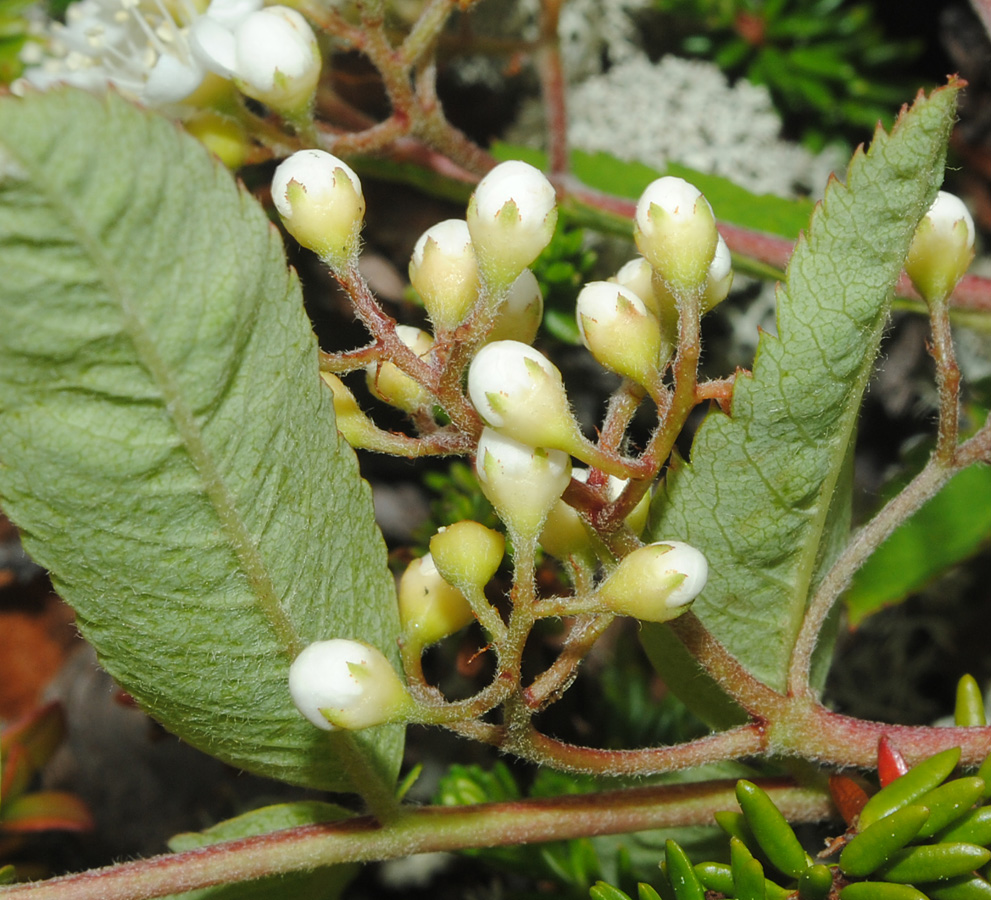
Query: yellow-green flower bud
x,y
520,481
391,384
519,315
638,276
356,428
676,231
619,332
511,217
519,392
565,534
467,553
444,272
655,583
347,684
430,608
223,136
942,248
320,201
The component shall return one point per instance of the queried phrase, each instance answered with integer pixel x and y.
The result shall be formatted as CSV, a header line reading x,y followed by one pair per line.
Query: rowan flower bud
x,y
320,201
657,582
391,384
942,248
637,276
520,481
565,534
619,332
718,278
357,429
346,684
519,315
270,54
467,553
444,272
430,608
511,217
519,392
676,231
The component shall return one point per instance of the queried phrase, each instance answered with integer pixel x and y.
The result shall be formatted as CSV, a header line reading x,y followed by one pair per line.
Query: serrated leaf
x,y
325,883
757,495
166,445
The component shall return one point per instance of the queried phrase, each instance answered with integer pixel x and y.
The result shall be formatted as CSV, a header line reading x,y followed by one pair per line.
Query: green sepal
x,y
909,787
969,710
815,882
974,828
874,890
966,887
934,862
771,830
950,802
682,876
873,846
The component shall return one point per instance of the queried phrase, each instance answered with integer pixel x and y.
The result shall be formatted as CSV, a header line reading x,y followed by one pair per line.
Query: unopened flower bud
x,y
619,332
391,384
357,429
430,608
223,136
320,201
519,315
565,534
520,481
467,553
519,392
270,54
346,684
638,276
942,248
511,217
444,272
657,582
719,277
676,231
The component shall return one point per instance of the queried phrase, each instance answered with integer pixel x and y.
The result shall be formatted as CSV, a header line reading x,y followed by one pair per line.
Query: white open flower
x,y
511,216
321,204
271,54
346,684
140,47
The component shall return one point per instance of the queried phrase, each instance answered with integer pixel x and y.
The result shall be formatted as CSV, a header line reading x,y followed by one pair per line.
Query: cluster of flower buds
x,y
473,279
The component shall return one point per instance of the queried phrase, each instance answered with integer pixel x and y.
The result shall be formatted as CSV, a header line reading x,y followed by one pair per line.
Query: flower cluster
x,y
476,377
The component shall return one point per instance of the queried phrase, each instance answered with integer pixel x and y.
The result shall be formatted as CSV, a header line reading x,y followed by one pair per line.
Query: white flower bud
x,y
637,276
520,481
511,217
429,607
320,201
271,55
942,248
619,332
391,384
657,582
676,231
519,315
719,277
444,272
565,534
519,392
346,684
467,553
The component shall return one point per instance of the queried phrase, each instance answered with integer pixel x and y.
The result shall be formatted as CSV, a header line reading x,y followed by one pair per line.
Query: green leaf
x,y
166,445
322,884
757,495
949,528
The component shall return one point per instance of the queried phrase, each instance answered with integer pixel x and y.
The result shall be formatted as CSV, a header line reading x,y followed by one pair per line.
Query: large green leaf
x,y
760,497
166,445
